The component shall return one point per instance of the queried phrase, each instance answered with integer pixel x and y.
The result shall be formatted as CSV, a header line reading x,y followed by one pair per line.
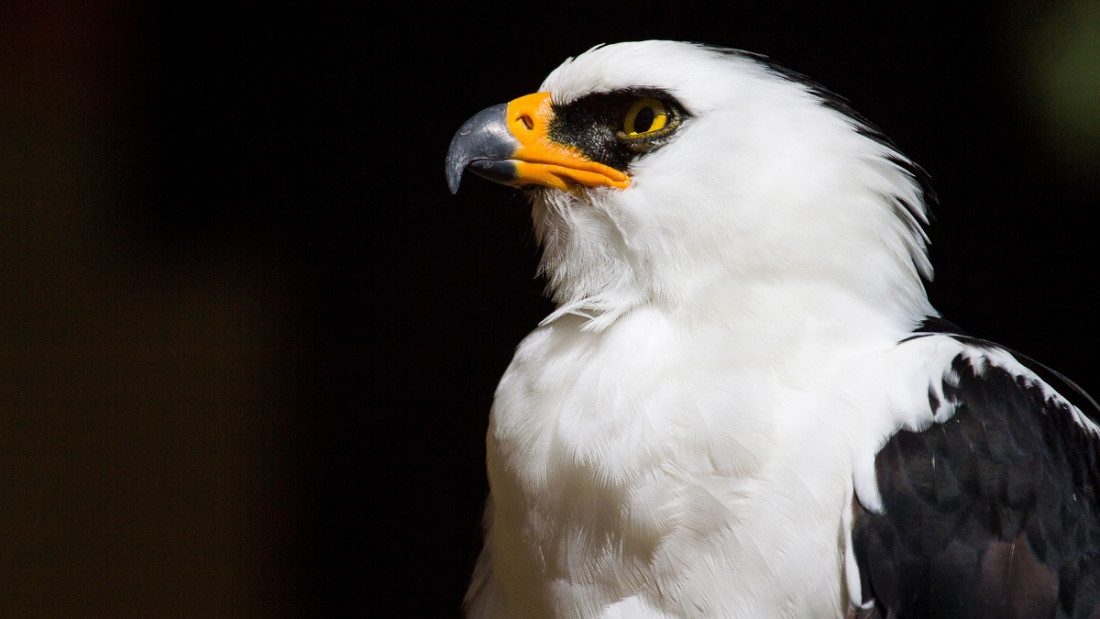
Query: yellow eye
x,y
646,116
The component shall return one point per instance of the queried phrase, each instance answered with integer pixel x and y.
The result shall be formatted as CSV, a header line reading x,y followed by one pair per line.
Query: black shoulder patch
x,y
1068,389
993,513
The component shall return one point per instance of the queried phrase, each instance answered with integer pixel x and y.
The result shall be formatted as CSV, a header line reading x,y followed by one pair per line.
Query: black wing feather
x,y
992,513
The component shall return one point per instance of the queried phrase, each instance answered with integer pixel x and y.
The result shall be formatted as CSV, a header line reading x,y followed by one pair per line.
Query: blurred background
x,y
248,341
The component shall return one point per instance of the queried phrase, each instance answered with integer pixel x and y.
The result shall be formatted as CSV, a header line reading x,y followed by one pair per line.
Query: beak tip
x,y
456,166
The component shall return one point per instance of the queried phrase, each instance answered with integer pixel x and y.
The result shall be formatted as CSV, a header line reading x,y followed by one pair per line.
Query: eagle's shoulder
x,y
989,507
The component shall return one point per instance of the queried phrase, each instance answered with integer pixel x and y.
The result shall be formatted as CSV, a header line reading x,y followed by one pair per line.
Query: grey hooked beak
x,y
485,146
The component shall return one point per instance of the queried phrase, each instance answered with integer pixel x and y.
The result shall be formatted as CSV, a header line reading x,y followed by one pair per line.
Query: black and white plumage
x,y
744,404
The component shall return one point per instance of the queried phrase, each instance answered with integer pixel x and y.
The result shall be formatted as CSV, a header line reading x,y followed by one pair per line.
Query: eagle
x,y
744,404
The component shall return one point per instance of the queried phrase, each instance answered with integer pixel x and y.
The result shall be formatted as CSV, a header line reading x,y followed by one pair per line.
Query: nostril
x,y
527,122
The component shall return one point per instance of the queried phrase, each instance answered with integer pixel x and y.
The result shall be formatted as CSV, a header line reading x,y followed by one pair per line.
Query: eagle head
x,y
684,176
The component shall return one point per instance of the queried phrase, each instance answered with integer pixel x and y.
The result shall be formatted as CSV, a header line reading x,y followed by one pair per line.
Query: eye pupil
x,y
644,120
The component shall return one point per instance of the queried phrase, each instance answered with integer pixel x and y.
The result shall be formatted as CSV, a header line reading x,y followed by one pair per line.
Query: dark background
x,y
248,341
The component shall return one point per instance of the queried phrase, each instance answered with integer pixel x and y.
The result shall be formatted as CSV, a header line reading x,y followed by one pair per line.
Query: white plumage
x,y
687,435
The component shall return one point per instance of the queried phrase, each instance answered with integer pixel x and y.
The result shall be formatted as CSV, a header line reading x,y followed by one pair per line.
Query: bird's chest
x,y
616,410
623,457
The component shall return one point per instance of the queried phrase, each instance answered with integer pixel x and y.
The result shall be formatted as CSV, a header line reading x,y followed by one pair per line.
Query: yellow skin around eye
x,y
660,116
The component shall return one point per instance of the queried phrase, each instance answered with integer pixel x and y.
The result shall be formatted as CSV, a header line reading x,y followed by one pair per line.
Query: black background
x,y
249,340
